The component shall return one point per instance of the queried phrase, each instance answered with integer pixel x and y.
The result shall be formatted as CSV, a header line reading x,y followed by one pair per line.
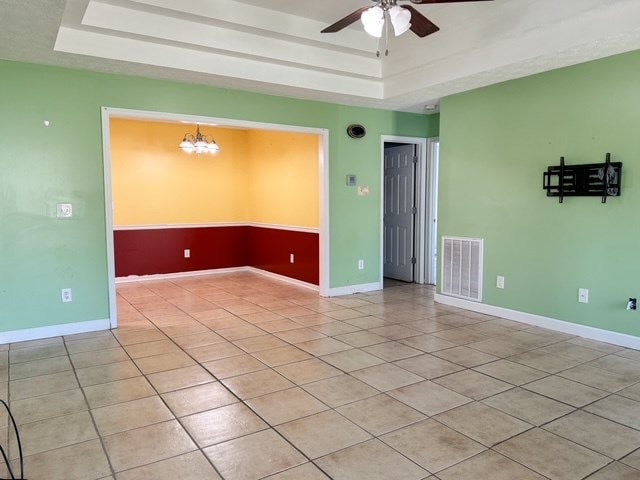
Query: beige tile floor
x,y
239,377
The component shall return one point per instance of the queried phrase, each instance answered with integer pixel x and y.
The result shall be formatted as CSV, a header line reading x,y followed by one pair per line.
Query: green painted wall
x,y
41,166
495,144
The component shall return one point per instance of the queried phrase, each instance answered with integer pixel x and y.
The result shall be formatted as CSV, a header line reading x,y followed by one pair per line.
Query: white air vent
x,y
462,267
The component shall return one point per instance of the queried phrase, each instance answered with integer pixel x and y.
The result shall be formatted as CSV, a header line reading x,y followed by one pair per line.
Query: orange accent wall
x,y
153,182
258,176
283,173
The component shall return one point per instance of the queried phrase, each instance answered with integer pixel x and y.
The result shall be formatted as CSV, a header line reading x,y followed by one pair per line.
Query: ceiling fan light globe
x,y
374,13
400,19
400,30
375,30
373,21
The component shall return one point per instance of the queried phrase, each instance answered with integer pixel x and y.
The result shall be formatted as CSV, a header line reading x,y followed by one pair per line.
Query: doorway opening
x,y
408,210
322,158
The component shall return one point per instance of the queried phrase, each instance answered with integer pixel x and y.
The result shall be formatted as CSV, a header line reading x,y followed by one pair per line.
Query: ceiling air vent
x,y
462,267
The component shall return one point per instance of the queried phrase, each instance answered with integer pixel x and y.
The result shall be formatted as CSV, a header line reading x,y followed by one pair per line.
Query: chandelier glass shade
x,y
199,143
374,20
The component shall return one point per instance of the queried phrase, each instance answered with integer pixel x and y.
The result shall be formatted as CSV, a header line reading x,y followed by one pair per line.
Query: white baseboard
x,y
282,278
53,331
169,276
585,331
351,289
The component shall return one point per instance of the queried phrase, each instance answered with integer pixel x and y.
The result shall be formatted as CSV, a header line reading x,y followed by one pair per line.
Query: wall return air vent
x,y
462,267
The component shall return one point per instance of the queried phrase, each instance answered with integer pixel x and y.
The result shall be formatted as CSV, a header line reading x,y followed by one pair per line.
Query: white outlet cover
x,y
64,210
583,295
66,295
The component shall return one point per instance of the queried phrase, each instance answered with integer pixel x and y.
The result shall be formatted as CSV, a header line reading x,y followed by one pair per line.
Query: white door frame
x,y
426,177
433,164
323,178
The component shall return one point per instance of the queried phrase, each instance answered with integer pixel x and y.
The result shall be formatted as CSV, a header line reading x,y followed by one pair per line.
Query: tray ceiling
x,y
275,46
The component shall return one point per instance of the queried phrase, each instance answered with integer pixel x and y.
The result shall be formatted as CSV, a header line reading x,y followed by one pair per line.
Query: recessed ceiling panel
x,y
275,46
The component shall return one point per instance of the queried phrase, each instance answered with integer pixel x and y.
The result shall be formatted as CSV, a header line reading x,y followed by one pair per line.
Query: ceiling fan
x,y
401,17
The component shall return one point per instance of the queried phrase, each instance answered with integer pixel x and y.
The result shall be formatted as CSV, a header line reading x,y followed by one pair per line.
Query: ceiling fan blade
x,y
345,22
420,2
420,25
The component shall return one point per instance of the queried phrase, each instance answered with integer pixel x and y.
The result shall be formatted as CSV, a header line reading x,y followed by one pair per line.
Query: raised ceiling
x,y
275,46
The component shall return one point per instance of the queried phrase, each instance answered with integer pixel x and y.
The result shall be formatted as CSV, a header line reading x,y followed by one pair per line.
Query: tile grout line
x,y
178,419
89,410
270,427
467,368
334,409
198,448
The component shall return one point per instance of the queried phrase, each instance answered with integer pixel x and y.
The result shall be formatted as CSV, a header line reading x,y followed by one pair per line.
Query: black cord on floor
x,y
4,455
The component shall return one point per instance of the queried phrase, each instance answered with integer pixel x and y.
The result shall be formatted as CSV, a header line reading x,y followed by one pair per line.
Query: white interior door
x,y
399,212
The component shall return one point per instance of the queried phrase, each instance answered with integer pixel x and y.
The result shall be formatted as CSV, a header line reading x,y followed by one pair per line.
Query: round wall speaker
x,y
356,131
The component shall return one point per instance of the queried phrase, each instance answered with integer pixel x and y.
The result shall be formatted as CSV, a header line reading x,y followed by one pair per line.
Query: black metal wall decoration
x,y
588,180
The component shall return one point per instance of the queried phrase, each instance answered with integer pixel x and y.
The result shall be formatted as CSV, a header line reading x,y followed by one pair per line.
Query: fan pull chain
x,y
384,42
386,33
386,36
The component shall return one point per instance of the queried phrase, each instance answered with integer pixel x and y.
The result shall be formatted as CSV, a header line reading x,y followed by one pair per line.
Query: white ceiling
x,y
275,46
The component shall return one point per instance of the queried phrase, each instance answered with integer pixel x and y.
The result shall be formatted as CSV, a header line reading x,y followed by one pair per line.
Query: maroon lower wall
x,y
149,252
270,249
161,250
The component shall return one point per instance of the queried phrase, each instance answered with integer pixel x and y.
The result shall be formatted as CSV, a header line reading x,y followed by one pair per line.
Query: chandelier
x,y
198,143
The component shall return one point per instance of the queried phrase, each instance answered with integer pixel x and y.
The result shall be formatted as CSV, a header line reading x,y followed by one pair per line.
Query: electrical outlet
x,y
631,304
64,210
583,295
500,281
187,253
66,295
360,264
292,259
363,191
